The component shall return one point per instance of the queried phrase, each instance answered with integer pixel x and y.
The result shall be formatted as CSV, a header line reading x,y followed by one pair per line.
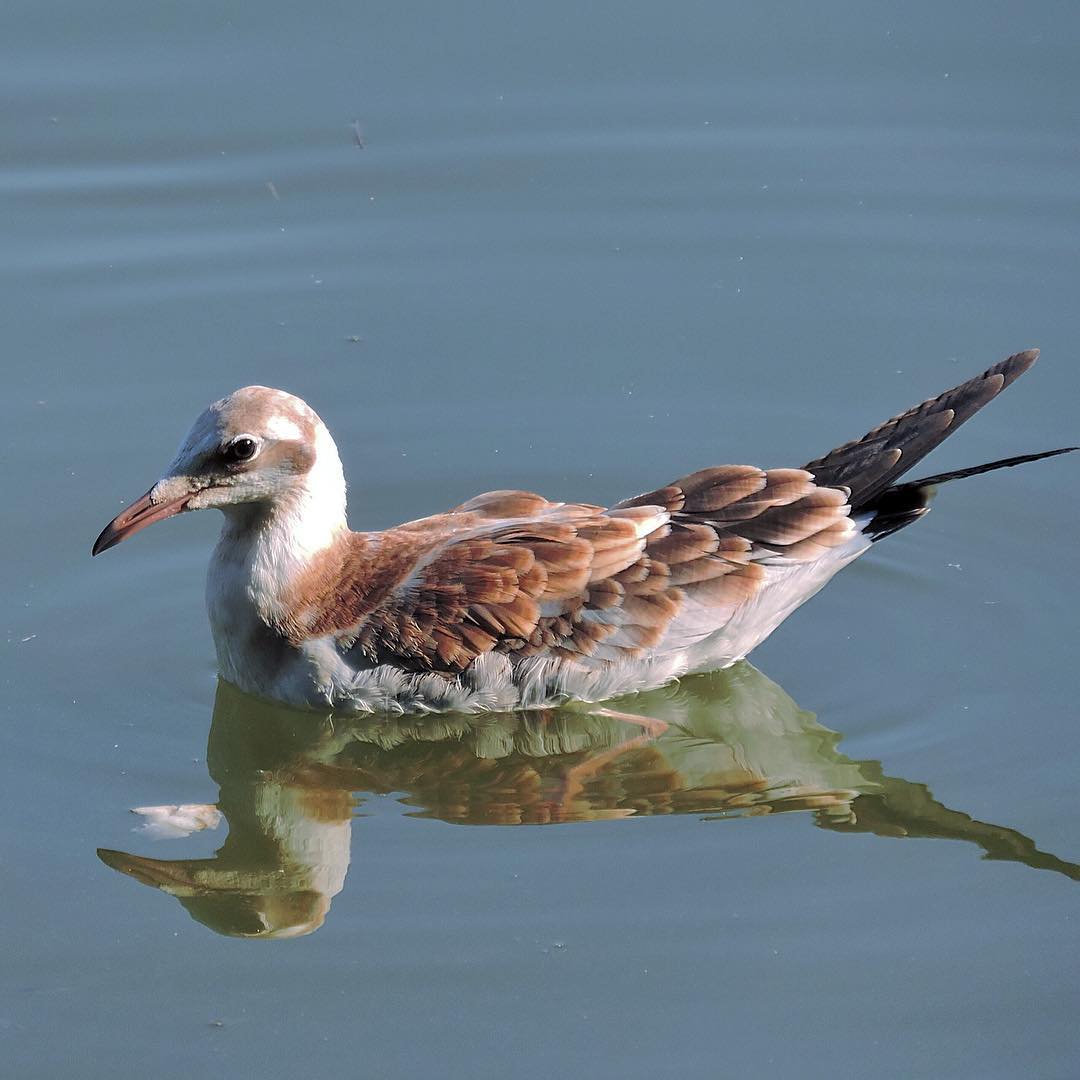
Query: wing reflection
x,y
728,743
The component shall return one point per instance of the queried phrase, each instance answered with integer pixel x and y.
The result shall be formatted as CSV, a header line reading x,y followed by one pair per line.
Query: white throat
x,y
264,548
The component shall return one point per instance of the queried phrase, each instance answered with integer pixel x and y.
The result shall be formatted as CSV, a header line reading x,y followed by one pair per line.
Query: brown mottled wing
x,y
869,465
519,584
509,571
658,572
728,525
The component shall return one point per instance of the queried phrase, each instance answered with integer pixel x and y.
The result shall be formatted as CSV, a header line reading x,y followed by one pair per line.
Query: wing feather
x,y
509,571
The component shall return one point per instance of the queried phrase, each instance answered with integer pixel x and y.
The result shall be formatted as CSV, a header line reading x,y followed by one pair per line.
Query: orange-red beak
x,y
137,516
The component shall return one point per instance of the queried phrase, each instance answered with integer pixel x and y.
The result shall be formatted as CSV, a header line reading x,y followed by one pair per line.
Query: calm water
x,y
582,251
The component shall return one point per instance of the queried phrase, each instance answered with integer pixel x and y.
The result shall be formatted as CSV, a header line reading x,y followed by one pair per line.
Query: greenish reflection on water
x,y
732,743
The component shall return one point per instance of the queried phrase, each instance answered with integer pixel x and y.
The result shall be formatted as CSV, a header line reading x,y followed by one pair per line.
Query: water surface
x,y
583,251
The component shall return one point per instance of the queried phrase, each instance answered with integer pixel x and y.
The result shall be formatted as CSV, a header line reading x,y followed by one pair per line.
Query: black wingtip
x,y
990,466
902,504
864,465
1014,366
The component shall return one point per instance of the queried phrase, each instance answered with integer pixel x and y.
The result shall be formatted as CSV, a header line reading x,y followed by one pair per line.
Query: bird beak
x,y
144,511
174,877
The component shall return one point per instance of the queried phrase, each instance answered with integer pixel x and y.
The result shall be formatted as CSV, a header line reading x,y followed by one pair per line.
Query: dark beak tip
x,y
109,537
137,516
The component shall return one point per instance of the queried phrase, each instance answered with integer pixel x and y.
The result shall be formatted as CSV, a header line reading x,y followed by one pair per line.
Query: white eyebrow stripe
x,y
280,427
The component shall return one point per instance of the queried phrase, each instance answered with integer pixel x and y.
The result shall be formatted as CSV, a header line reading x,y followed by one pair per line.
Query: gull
x,y
510,601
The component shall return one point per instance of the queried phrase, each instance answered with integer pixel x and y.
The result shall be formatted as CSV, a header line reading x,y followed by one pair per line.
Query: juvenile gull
x,y
511,601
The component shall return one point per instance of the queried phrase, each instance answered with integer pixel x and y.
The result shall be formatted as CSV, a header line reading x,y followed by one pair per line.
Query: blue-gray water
x,y
584,250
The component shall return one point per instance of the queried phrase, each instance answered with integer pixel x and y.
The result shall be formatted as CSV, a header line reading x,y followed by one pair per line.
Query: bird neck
x,y
265,548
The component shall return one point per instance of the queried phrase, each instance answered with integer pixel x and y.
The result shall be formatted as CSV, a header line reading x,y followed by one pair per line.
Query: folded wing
x,y
514,573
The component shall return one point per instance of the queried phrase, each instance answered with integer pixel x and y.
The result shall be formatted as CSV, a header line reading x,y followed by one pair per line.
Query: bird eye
x,y
240,449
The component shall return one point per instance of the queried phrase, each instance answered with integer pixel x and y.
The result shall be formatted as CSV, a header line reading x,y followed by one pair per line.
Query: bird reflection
x,y
730,743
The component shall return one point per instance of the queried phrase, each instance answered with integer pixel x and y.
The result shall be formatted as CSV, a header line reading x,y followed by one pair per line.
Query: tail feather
x,y
869,466
904,503
990,466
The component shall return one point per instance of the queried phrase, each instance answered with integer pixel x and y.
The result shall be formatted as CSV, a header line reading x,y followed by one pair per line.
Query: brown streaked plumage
x,y
509,599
